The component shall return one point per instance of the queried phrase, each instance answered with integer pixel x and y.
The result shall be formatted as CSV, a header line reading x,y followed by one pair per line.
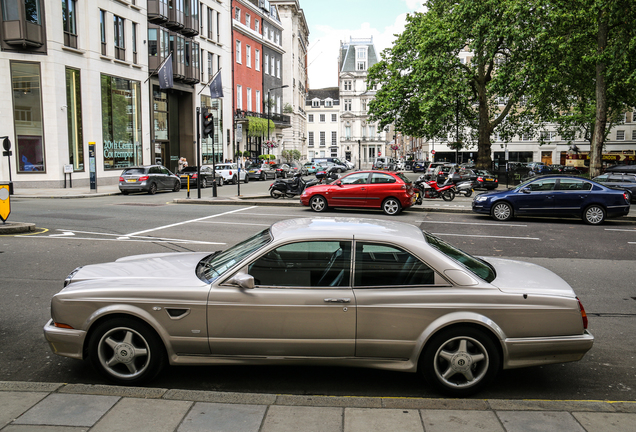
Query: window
x,y
248,56
152,42
355,178
257,59
311,138
328,103
277,68
120,41
239,97
74,119
27,105
620,135
348,132
322,118
272,65
315,103
548,136
347,104
334,117
322,138
69,22
248,20
102,29
266,64
256,26
134,42
238,52
634,134
347,85
386,265
542,185
237,14
364,105
334,138
311,118
304,264
249,99
362,66
575,185
258,101
121,122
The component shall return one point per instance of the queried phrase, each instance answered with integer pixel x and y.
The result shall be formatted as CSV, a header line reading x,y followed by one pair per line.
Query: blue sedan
x,y
555,195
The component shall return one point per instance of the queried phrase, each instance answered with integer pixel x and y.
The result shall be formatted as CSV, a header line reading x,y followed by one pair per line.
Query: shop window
x,y
27,103
74,119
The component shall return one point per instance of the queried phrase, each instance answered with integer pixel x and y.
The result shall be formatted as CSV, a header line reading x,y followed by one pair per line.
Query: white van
x,y
385,163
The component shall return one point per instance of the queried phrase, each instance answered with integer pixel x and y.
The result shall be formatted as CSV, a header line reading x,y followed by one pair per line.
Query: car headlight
x,y
480,198
69,278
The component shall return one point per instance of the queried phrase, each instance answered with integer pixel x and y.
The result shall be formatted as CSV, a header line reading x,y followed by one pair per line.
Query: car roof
x,y
348,228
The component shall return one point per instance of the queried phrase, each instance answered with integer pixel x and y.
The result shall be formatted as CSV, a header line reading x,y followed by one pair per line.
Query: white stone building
x,y
323,124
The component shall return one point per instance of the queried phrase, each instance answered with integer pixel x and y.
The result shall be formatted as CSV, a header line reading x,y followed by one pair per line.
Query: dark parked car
x,y
282,170
441,173
555,195
207,176
627,169
260,171
150,178
419,166
619,181
458,174
485,180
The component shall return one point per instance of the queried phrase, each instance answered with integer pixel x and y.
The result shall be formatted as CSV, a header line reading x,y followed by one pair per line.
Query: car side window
x,y
154,170
382,178
386,265
356,178
542,185
304,264
573,184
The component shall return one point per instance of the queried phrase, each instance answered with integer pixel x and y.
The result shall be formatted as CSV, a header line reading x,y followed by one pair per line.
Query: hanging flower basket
x,y
270,144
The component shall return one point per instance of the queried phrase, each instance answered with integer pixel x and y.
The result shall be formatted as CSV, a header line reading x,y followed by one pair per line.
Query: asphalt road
x,y
598,261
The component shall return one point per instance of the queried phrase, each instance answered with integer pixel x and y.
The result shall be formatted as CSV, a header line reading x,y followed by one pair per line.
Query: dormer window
x,y
361,58
315,103
328,103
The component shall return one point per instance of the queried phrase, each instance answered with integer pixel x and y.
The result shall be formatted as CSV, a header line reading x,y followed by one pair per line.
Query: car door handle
x,y
337,300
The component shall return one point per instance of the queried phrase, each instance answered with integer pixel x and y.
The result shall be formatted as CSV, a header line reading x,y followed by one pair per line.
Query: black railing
x,y
275,117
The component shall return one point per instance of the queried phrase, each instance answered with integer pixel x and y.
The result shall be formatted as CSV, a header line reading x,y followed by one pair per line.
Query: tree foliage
x,y
291,155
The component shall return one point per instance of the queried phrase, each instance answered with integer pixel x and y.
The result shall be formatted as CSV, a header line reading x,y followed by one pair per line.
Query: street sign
x,y
92,166
5,202
432,151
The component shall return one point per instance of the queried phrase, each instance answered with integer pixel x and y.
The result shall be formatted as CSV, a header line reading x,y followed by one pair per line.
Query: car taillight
x,y
121,179
583,314
230,172
625,195
480,179
193,176
496,181
143,178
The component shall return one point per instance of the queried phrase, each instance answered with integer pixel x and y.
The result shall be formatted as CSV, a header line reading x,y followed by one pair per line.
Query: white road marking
x,y
120,237
188,221
622,230
473,223
236,223
141,240
487,236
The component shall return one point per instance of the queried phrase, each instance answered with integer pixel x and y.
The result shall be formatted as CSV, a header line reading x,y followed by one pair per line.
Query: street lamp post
x,y
269,106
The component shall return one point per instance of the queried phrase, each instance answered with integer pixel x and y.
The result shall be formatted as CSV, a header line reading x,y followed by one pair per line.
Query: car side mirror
x,y
525,190
338,183
242,280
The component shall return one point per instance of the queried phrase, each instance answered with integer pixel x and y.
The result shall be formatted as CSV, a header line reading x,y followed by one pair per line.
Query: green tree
x,y
426,89
291,155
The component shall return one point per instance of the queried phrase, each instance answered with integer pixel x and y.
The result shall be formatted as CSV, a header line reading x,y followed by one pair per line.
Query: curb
x,y
16,227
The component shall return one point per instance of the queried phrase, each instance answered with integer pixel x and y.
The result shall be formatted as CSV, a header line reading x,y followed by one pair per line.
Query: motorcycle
x,y
288,187
327,176
430,189
465,188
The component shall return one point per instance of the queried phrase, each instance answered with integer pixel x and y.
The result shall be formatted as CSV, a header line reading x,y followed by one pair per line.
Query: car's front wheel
x,y
594,215
234,180
126,351
318,203
460,361
247,179
502,211
220,181
391,206
275,193
204,183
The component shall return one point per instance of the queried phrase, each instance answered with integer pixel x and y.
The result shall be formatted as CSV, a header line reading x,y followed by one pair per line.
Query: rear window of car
x,y
189,169
402,177
134,171
475,265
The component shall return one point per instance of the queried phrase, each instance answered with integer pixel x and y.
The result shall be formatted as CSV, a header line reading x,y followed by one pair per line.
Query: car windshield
x,y
476,266
213,266
189,169
134,171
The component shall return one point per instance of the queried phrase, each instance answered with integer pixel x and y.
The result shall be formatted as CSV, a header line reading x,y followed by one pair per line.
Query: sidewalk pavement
x,y
56,407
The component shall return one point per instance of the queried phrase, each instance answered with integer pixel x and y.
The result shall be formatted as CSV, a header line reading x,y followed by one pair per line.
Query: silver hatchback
x,y
150,178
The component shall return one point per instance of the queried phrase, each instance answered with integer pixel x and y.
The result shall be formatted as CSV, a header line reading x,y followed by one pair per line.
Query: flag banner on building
x,y
165,74
216,87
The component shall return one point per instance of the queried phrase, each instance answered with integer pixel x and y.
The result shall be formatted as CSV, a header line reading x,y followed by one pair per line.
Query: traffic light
x,y
208,123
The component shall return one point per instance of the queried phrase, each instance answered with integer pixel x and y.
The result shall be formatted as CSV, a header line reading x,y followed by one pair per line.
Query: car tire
x,y
468,194
220,181
502,211
152,189
234,180
318,203
262,177
594,215
391,206
275,193
247,179
126,351
204,183
448,195
177,187
460,361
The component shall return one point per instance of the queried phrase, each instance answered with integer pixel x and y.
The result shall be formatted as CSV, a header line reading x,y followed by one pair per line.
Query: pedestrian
x,y
182,163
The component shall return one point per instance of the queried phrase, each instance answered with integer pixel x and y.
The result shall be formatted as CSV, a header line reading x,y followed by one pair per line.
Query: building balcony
x,y
281,121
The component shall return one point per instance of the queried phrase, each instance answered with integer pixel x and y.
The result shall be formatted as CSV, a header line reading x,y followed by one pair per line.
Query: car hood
x,y
526,278
151,270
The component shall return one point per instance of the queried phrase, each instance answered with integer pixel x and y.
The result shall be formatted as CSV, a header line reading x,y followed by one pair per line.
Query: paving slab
x,y
423,403
299,418
382,420
221,397
539,421
548,405
329,401
607,422
109,390
68,410
14,404
33,428
131,414
460,421
29,386
212,417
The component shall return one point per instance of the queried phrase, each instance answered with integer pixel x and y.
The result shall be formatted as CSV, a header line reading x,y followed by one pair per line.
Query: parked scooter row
x,y
429,189
292,187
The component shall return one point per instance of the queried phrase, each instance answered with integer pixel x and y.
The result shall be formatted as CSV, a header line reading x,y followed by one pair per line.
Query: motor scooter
x,y
465,188
430,190
288,187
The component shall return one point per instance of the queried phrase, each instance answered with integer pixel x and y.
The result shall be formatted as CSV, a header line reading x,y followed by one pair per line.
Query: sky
x,y
332,21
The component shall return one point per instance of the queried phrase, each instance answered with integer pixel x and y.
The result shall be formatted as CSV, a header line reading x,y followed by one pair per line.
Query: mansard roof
x,y
324,93
347,61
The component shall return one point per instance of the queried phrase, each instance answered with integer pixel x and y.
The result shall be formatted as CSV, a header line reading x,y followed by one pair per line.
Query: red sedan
x,y
389,191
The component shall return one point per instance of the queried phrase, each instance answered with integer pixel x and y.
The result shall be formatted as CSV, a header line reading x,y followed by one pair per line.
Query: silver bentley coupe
x,y
328,291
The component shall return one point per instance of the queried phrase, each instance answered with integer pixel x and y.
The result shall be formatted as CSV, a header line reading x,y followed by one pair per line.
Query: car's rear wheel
x,y
448,195
502,211
234,180
318,203
391,206
152,189
177,187
247,179
126,351
594,214
262,177
460,361
468,194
